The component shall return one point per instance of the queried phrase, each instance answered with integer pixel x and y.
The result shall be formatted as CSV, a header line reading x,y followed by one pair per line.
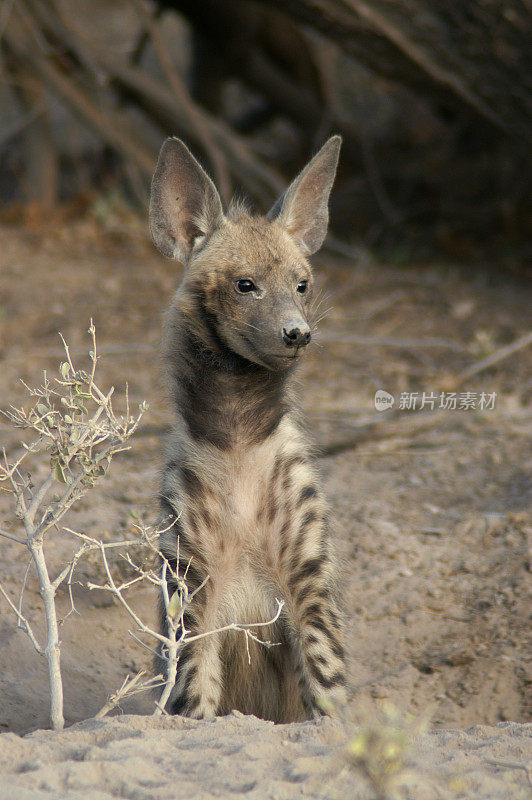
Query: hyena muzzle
x,y
241,501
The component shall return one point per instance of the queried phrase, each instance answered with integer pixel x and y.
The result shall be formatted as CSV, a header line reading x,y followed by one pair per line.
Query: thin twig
x,y
22,622
144,645
130,686
510,765
243,628
10,536
23,586
490,361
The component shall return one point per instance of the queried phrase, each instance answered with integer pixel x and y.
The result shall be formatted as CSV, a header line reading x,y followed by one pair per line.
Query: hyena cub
x,y
239,484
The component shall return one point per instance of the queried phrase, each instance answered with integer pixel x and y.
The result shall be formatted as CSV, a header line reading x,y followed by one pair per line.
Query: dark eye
x,y
245,285
302,287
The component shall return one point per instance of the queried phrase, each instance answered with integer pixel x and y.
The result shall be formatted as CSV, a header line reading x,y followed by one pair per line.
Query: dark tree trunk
x,y
469,55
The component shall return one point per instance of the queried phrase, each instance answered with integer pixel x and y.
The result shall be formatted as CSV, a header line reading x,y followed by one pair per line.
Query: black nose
x,y
296,337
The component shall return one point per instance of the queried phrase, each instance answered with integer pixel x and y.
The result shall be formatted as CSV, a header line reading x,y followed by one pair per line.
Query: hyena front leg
x,y
316,615
198,688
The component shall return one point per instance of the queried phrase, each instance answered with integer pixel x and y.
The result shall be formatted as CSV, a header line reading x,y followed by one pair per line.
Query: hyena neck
x,y
223,398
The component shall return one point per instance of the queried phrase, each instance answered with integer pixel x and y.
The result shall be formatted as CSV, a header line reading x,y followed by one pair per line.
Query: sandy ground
x,y
431,512
143,758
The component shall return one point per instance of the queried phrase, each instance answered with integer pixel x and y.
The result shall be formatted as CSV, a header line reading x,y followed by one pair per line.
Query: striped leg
x,y
198,688
320,660
323,655
314,606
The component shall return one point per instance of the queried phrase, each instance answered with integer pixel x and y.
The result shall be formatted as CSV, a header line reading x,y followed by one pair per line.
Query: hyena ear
x,y
184,203
303,208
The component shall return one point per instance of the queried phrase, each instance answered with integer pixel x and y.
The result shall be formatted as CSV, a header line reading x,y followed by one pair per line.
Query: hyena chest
x,y
247,499
234,505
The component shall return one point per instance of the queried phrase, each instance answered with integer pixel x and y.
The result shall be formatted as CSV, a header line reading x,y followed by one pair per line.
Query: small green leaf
x,y
59,474
78,405
174,605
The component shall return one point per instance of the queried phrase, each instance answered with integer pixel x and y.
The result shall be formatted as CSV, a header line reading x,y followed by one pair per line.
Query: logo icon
x,y
383,400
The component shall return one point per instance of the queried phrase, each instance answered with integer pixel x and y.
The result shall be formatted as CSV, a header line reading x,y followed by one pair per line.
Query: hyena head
x,y
248,284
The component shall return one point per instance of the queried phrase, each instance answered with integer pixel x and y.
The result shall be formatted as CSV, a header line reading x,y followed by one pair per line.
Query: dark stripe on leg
x,y
307,494
310,567
335,680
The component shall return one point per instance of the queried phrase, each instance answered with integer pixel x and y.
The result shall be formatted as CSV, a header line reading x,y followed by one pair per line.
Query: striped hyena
x,y
239,482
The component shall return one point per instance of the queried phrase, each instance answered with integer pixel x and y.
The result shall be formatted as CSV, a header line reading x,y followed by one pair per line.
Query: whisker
x,y
316,297
326,310
316,322
243,322
319,299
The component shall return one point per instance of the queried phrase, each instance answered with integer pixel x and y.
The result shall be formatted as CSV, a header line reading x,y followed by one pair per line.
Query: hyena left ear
x,y
303,208
184,203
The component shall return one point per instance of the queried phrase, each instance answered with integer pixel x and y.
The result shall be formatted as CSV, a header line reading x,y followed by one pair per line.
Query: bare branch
x,y
117,591
23,587
38,498
129,687
246,628
504,352
22,622
10,536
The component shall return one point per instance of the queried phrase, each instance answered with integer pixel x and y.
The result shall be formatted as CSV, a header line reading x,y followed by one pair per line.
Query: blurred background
x,y
433,99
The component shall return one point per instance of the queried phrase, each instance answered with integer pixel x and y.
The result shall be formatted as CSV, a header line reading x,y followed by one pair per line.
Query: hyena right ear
x,y
184,203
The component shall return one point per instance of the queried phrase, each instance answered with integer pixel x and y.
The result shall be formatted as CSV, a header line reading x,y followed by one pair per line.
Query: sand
x,y
147,758
431,515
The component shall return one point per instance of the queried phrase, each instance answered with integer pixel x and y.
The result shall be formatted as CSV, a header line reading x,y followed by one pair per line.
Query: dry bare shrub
x,y
77,430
